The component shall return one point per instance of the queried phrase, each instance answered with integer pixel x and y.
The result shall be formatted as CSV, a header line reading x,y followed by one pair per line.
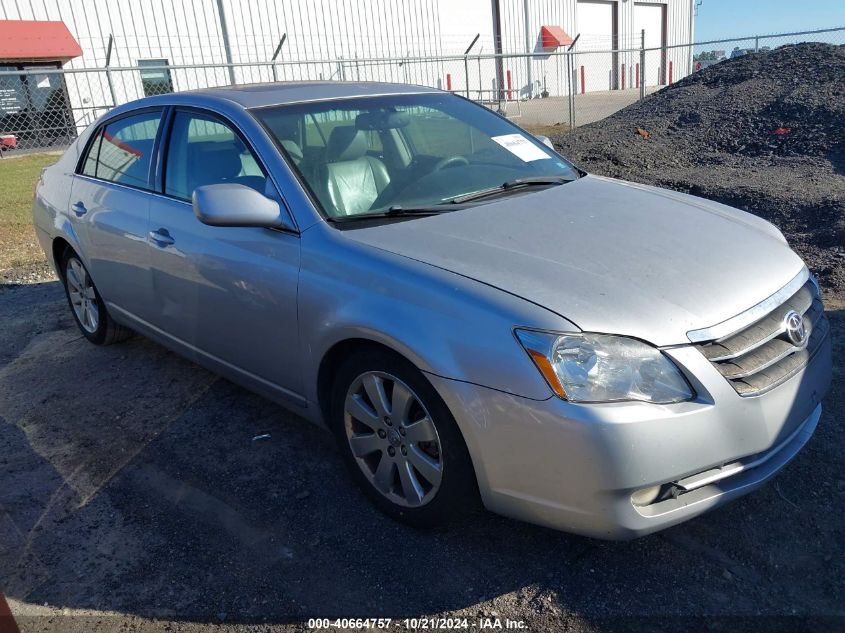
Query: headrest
x,y
382,120
214,161
346,143
293,150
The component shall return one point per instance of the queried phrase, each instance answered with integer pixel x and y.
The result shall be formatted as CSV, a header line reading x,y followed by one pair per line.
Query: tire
x,y
411,493
87,305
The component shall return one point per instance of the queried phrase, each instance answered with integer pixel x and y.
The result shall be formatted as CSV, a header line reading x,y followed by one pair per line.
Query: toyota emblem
x,y
793,323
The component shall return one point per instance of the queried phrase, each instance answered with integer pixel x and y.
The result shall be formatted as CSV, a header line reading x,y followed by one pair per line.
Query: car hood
x,y
607,255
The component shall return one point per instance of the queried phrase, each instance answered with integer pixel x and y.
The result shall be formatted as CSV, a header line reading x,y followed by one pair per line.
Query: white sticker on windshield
x,y
521,147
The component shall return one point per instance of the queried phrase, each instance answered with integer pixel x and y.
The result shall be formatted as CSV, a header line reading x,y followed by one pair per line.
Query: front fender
x,y
446,324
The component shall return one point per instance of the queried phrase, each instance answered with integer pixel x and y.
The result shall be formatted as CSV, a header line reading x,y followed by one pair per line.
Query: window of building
x,y
155,76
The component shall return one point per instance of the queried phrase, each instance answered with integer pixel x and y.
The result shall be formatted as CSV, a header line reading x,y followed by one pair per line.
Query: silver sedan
x,y
478,321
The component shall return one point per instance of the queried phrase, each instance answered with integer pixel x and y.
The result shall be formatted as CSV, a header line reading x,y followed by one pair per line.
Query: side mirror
x,y
229,204
545,140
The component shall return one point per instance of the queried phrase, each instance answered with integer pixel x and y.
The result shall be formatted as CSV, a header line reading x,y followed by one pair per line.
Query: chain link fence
x,y
45,107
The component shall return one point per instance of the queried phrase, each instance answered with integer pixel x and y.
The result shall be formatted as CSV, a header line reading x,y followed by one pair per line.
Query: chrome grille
x,y
761,356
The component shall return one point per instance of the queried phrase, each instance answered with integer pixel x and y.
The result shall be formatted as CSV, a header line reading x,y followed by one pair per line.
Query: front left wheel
x,y
87,306
401,442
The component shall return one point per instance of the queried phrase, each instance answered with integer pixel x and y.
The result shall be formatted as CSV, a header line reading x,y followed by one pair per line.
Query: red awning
x,y
554,36
30,40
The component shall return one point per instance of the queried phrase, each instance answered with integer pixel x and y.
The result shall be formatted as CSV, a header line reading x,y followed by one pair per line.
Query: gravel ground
x,y
134,495
764,132
30,274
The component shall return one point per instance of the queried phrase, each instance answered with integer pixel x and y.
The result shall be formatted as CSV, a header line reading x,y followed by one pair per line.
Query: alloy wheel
x,y
82,295
393,439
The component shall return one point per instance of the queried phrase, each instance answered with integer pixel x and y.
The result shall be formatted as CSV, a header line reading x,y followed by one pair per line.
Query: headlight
x,y
603,368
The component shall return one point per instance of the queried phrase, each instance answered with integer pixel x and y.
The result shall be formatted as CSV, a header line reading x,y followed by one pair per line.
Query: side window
x,y
122,151
89,168
374,143
314,134
204,151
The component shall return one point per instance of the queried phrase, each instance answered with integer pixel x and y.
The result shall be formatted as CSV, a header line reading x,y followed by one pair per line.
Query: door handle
x,y
162,237
79,209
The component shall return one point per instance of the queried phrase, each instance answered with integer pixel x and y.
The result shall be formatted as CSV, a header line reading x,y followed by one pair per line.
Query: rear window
x,y
121,151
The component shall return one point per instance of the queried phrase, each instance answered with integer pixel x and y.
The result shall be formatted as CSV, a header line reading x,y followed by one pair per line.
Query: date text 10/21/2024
x,y
416,624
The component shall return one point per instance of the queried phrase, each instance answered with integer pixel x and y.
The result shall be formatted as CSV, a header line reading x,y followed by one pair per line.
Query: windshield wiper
x,y
516,183
397,211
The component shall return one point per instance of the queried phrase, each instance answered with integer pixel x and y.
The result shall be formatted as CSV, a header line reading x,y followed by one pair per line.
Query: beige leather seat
x,y
353,180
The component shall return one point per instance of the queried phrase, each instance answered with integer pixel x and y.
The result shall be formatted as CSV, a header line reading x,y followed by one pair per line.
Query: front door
x,y
227,294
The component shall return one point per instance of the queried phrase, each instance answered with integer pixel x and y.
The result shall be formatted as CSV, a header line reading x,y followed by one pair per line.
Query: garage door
x,y
649,17
595,24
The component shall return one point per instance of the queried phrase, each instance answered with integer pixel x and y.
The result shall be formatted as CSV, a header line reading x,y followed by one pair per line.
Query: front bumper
x,y
575,467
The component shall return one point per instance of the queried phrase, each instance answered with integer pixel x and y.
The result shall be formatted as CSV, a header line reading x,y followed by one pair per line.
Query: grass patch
x,y
18,245
547,130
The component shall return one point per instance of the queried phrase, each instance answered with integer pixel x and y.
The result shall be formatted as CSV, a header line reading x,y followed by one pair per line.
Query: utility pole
x,y
224,33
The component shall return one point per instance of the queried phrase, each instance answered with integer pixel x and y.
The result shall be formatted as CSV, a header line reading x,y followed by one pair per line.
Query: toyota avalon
x,y
479,322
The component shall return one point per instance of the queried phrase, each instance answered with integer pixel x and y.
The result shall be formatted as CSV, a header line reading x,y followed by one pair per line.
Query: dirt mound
x,y
764,132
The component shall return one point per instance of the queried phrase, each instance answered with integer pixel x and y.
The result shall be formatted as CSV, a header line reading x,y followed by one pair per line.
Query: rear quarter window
x,y
121,151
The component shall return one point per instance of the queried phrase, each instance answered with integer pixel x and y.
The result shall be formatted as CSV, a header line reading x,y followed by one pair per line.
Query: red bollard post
x,y
582,80
510,90
670,72
449,82
638,75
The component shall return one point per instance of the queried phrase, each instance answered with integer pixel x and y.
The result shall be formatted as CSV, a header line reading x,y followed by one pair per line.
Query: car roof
x,y
266,94
248,96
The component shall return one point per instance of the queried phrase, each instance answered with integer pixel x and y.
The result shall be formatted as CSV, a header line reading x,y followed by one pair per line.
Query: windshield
x,y
375,154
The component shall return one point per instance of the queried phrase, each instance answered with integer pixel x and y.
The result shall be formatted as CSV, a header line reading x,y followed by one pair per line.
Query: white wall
x,y
566,14
187,32
596,22
342,31
678,31
649,22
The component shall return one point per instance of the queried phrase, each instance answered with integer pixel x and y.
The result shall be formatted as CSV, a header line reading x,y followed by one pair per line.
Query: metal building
x,y
184,44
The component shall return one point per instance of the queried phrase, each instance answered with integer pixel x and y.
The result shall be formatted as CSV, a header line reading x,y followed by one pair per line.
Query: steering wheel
x,y
450,161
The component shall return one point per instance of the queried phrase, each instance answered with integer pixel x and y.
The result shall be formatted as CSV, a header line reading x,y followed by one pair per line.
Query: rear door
x,y
109,207
226,294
